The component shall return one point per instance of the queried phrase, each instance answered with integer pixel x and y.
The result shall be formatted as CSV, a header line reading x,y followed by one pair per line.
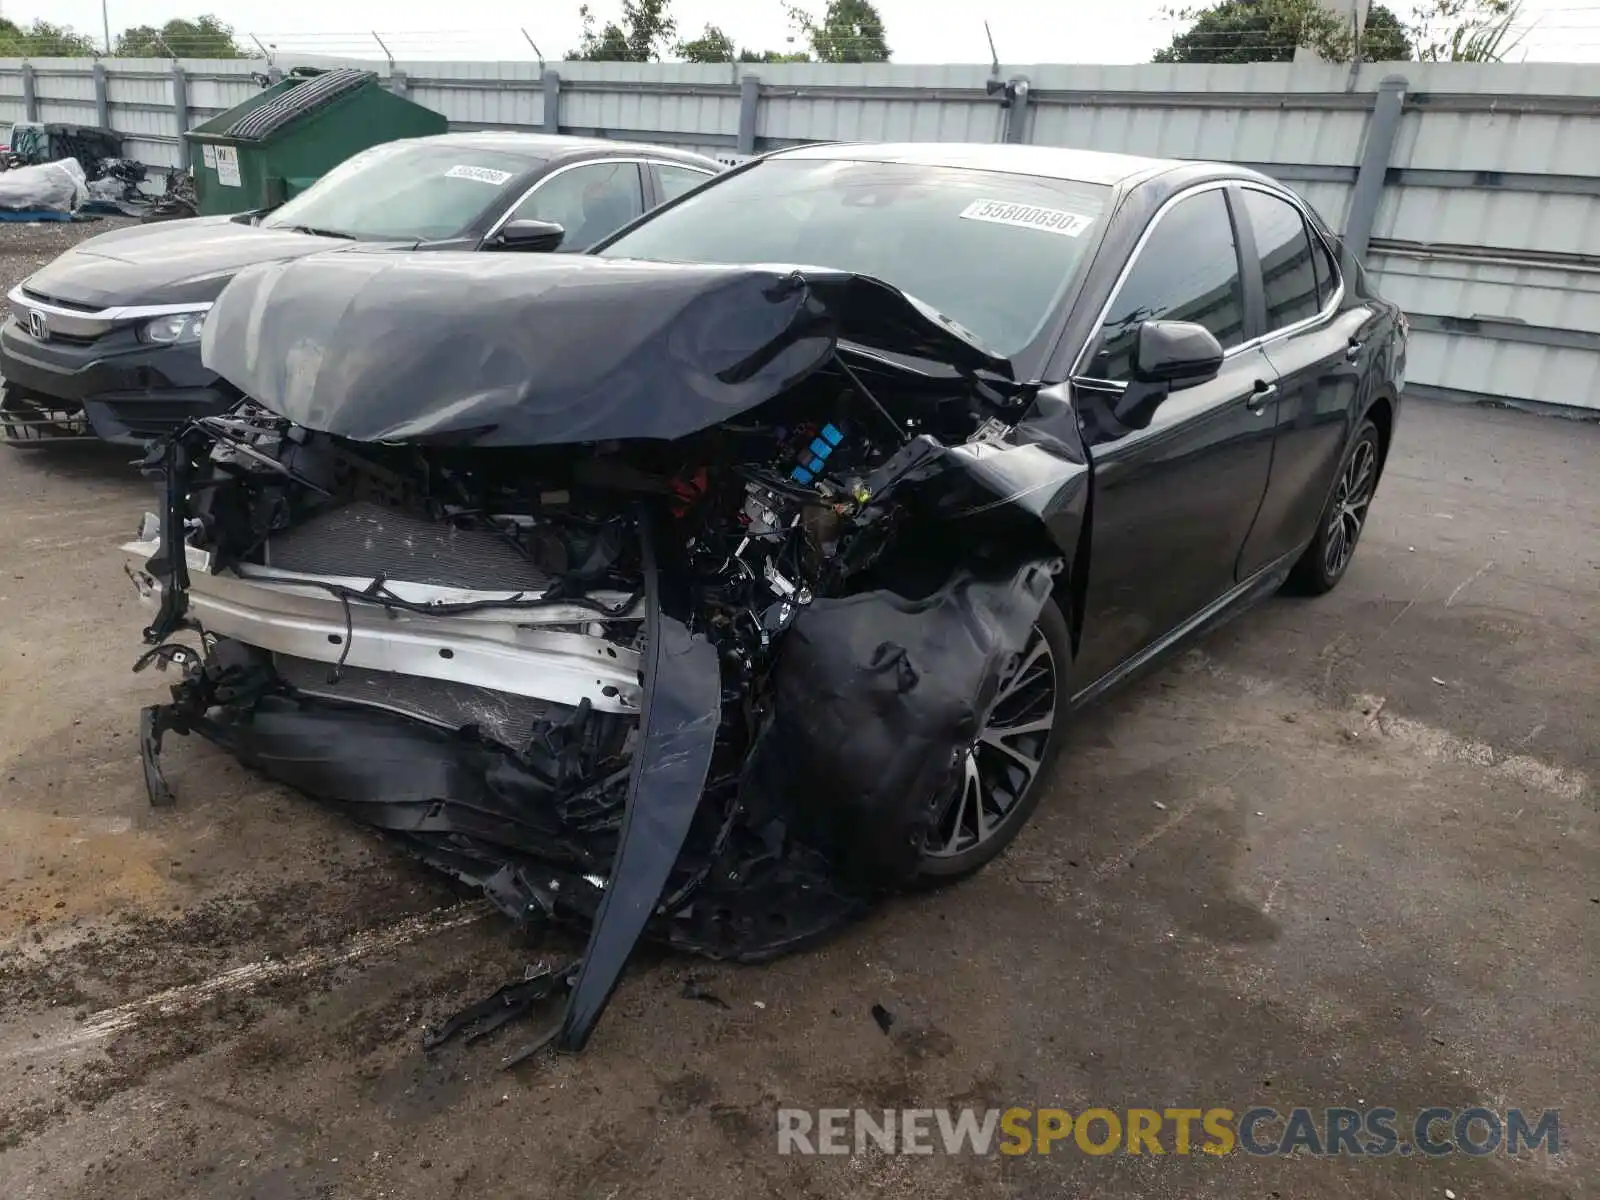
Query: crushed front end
x,y
710,689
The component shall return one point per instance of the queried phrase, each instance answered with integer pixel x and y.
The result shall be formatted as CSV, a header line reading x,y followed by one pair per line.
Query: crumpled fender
x,y
678,723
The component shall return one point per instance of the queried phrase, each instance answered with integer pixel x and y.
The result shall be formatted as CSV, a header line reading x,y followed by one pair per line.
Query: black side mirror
x,y
1179,354
537,236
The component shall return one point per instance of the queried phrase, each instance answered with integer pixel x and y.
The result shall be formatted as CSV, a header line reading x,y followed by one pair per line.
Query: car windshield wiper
x,y
327,233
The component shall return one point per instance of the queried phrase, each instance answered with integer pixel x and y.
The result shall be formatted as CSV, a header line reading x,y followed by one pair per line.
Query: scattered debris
x,y
509,1003
759,1003
883,1017
1439,681
693,990
1161,806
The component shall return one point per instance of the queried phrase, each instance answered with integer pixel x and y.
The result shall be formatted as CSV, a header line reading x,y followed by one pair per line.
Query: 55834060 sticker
x,y
1027,216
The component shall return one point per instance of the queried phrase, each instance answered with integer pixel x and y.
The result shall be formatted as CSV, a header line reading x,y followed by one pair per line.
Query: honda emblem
x,y
37,326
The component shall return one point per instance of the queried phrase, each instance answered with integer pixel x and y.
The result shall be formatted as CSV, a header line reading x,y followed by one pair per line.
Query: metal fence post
x,y
102,104
180,111
1382,128
30,102
749,106
1013,96
399,84
1017,116
552,102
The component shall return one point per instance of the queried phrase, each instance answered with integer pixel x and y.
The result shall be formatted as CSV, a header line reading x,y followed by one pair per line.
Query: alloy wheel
x,y
1350,501
1004,760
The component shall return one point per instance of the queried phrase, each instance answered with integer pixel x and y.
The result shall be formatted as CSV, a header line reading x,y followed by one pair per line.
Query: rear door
x,y
1313,341
1173,502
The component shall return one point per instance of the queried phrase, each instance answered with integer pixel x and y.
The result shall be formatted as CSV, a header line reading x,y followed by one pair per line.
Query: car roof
x,y
1053,162
549,147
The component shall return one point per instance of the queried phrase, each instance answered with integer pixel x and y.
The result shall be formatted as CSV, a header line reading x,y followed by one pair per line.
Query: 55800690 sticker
x,y
1027,216
481,174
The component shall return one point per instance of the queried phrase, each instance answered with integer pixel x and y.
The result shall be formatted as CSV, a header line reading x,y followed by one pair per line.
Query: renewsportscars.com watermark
x,y
1344,1132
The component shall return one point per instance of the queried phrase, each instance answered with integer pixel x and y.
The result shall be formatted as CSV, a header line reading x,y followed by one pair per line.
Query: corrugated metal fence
x,y
1474,189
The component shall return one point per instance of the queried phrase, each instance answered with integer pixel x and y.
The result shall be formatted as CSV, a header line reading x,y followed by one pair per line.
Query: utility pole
x,y
105,23
1352,16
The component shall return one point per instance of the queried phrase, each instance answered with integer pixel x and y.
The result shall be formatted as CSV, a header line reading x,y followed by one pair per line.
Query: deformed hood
x,y
518,350
169,262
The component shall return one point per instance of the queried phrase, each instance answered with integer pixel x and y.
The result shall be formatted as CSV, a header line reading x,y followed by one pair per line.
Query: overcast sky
x,y
920,31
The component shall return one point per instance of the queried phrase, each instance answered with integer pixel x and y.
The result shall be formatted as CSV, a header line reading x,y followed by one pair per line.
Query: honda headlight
x,y
173,329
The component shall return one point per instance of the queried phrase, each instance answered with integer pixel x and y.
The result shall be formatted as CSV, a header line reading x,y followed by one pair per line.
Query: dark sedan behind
x,y
107,337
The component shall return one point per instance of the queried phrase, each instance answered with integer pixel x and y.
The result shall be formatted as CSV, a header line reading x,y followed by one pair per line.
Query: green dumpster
x,y
275,145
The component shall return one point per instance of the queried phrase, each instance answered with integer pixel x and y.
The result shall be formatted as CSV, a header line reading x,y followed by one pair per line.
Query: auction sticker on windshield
x,y
481,174
1027,216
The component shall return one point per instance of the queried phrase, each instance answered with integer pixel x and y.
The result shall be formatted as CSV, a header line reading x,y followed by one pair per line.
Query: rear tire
x,y
1343,518
1008,768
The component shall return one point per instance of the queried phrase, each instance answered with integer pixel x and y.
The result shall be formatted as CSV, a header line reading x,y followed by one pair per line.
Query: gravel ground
x,y
26,248
1343,852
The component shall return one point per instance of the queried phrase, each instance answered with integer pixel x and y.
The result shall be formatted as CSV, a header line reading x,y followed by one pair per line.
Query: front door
x,y
1173,502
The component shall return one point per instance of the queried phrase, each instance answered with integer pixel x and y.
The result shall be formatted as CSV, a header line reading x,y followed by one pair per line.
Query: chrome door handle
x,y
1256,402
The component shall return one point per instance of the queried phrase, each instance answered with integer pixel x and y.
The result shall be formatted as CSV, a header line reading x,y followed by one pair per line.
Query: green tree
x,y
851,31
204,37
647,28
715,46
43,40
1466,30
712,46
773,56
1385,39
1247,31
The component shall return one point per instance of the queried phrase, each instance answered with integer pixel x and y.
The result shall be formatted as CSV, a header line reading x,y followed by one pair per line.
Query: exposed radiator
x,y
369,540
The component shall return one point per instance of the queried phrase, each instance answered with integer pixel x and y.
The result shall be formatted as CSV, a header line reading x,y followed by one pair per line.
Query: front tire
x,y
1327,558
1007,769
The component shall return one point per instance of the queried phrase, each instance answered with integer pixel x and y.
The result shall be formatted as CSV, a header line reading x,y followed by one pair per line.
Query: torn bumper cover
x,y
654,689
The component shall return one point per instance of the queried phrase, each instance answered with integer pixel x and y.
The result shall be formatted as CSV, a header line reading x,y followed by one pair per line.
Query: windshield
x,y
991,251
408,190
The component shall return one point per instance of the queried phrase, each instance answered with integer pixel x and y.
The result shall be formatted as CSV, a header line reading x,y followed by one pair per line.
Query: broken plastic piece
x,y
694,990
509,1003
151,726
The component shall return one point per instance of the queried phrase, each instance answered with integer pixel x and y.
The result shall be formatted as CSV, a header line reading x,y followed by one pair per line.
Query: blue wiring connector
x,y
815,456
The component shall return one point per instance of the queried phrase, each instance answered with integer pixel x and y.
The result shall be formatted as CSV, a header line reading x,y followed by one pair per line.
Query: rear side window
x,y
1187,270
675,181
1287,270
1327,271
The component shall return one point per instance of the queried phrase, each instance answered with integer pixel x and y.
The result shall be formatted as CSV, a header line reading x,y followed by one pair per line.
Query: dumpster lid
x,y
297,101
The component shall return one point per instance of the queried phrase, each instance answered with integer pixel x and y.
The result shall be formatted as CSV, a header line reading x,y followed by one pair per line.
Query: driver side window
x,y
1187,270
588,201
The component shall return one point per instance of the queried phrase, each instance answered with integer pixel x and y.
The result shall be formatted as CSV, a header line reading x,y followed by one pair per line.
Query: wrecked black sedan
x,y
711,586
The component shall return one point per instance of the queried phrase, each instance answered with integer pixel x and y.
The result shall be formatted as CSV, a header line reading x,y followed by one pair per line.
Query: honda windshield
x,y
406,190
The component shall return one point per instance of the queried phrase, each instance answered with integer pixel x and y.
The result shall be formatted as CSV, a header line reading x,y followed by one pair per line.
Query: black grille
x,y
42,298
369,540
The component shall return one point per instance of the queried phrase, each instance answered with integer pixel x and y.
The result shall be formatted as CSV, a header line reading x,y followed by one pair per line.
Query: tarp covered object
x,y
48,187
